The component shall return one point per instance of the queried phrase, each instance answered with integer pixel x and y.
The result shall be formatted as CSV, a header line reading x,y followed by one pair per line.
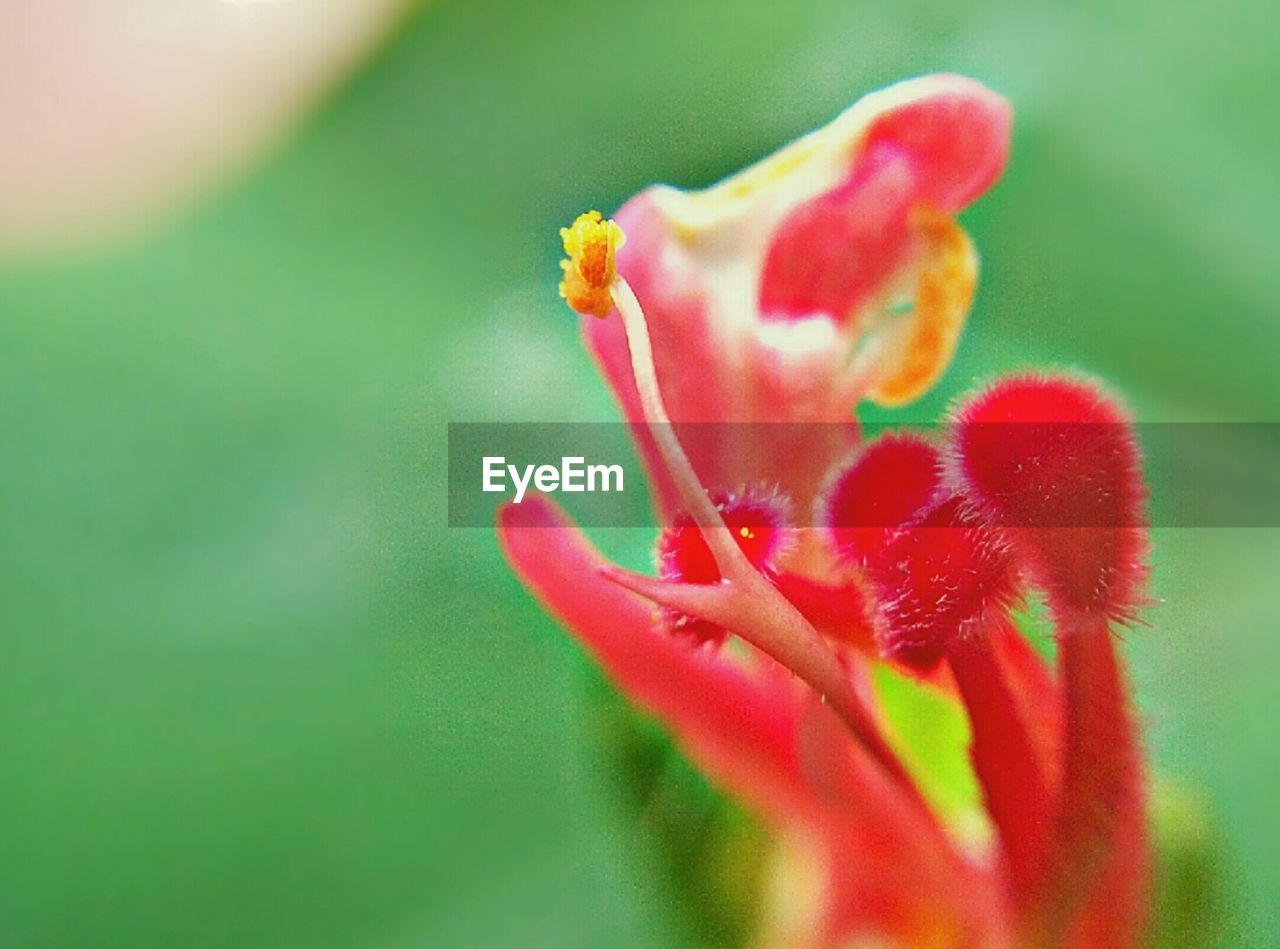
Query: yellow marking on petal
x,y
591,244
944,293
762,174
805,167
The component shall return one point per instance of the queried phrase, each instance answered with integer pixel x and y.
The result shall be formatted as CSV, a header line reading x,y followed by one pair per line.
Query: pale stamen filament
x,y
745,601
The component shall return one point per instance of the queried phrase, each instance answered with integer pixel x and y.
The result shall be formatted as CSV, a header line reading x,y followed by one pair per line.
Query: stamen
x,y
745,602
729,557
591,286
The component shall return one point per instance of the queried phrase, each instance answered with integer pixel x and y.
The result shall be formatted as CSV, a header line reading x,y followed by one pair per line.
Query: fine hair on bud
x,y
1053,460
939,580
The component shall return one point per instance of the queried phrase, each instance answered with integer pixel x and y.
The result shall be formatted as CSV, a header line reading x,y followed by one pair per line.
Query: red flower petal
x,y
1098,872
697,262
957,140
1055,460
740,728
834,250
1036,697
839,610
1010,754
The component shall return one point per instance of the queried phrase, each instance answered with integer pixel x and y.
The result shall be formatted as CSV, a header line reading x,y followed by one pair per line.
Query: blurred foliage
x,y
1191,900
708,850
252,691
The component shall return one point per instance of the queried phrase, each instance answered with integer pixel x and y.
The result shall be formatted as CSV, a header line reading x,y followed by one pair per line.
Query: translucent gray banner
x,y
1208,474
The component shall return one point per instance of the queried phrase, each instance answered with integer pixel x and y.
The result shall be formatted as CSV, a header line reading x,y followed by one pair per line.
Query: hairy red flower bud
x,y
938,581
1054,461
757,521
888,483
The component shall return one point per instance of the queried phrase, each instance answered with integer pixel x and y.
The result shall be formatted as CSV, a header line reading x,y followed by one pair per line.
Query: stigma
x,y
591,244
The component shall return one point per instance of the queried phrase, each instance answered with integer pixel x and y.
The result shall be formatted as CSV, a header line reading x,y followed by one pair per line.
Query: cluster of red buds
x,y
797,553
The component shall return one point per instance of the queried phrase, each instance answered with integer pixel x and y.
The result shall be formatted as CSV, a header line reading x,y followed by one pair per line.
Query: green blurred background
x,y
254,693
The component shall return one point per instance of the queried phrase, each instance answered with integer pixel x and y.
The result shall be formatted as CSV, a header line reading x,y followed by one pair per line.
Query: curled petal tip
x,y
957,131
948,277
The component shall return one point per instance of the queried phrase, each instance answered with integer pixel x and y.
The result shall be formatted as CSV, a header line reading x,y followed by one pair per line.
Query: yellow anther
x,y
745,533
591,244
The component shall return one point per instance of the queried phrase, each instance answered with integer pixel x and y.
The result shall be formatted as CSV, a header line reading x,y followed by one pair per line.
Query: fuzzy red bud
x,y
892,480
1054,461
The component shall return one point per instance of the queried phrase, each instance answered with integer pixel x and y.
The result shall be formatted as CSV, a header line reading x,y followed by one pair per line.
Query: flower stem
x,y
1101,820
758,613
1014,784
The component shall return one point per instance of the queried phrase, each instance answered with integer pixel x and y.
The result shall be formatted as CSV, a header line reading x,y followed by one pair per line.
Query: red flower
x,y
830,273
